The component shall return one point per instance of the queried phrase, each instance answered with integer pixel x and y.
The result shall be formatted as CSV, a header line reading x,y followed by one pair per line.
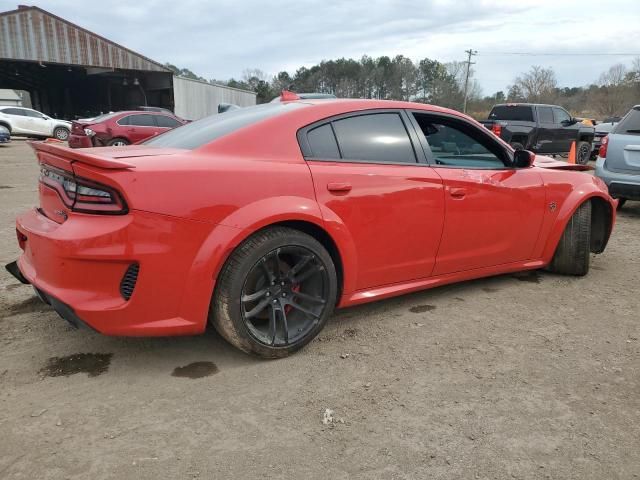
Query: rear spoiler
x,y
56,148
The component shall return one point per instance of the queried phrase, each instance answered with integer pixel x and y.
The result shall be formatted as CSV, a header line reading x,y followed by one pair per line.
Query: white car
x,y
27,122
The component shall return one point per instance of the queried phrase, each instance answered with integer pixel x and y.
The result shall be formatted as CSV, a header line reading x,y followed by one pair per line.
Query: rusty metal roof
x,y
33,34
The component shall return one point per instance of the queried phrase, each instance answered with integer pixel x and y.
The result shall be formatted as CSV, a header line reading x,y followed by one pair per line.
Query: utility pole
x,y
466,79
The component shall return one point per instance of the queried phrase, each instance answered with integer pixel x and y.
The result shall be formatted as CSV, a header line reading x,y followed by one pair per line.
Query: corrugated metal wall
x,y
194,100
36,35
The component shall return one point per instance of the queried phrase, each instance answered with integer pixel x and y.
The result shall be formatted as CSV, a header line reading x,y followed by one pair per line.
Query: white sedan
x,y
27,122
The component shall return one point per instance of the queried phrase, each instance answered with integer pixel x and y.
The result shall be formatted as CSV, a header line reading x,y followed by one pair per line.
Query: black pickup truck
x,y
546,129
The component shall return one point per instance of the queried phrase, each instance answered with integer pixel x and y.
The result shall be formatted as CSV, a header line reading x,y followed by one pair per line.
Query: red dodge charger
x,y
262,220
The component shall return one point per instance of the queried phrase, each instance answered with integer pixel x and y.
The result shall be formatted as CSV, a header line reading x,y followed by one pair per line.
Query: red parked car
x,y
121,128
261,220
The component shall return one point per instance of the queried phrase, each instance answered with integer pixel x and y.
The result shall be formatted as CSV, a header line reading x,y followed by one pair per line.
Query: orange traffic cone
x,y
572,153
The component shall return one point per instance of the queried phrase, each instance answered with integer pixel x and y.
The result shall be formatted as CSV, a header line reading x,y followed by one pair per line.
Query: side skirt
x,y
387,291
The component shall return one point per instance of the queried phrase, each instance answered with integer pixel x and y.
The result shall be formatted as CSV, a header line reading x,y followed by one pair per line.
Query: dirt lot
x,y
527,376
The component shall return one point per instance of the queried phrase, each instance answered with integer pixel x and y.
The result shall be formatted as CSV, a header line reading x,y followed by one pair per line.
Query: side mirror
x,y
523,158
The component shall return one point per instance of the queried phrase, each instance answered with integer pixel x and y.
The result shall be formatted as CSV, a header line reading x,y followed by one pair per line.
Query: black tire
x,y
118,142
583,152
251,262
517,145
572,253
61,133
621,202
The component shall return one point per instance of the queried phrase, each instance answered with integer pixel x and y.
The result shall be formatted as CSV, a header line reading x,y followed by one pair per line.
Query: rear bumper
x,y
79,141
80,267
621,185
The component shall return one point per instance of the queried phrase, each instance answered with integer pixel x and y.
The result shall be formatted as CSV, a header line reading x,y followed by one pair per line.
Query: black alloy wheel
x,y
275,292
284,296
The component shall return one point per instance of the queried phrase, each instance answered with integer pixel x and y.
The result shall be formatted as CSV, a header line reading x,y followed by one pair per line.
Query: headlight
x,y
89,132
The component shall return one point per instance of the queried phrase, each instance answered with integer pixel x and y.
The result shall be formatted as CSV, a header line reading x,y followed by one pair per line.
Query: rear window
x,y
199,133
518,113
630,124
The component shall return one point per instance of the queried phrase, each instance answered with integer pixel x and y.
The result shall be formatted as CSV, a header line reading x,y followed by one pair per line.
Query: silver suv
x,y
618,162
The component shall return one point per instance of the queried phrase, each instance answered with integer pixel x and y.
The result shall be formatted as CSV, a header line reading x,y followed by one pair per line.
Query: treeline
x,y
430,81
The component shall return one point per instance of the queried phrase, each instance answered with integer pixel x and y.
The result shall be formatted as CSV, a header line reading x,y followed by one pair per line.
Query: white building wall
x,y
194,99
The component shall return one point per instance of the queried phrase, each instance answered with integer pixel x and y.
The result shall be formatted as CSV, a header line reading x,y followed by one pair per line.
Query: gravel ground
x,y
519,376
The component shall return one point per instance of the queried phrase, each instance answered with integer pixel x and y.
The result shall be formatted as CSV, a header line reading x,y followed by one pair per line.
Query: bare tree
x,y
614,77
538,85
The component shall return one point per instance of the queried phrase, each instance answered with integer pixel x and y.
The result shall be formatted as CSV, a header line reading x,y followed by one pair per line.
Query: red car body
x,y
179,213
124,128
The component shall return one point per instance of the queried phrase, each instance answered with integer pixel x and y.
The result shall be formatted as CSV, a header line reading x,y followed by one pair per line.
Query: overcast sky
x,y
223,38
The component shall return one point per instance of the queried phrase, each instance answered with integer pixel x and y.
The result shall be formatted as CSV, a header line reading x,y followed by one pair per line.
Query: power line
x,y
471,52
542,54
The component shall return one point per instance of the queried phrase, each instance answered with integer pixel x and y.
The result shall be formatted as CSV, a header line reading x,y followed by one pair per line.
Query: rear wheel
x,y
517,146
572,253
61,134
275,293
621,202
117,142
583,152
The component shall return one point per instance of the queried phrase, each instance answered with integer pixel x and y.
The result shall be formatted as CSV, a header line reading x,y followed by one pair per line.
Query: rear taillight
x,y
82,195
497,129
602,151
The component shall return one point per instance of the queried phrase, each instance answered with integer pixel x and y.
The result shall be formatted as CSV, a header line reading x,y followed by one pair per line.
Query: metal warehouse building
x,y
71,72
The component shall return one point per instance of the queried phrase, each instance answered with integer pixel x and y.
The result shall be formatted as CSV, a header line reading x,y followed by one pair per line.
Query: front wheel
x,y
275,293
61,134
572,253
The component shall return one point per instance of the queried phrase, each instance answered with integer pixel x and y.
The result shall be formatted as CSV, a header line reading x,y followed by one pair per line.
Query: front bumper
x,y
621,185
79,267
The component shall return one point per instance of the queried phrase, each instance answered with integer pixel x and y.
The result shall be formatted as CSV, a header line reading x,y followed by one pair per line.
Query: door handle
x,y
339,187
457,192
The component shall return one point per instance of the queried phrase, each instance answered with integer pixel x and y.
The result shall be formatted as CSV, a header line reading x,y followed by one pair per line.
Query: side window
x,y
323,143
142,120
375,137
32,114
561,115
13,111
455,144
545,115
124,121
167,122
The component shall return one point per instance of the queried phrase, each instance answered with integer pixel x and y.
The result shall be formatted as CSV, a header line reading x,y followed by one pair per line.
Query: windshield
x,y
208,129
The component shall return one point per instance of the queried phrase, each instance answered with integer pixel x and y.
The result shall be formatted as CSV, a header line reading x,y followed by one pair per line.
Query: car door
x,y
369,181
566,131
493,212
39,123
139,126
545,140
